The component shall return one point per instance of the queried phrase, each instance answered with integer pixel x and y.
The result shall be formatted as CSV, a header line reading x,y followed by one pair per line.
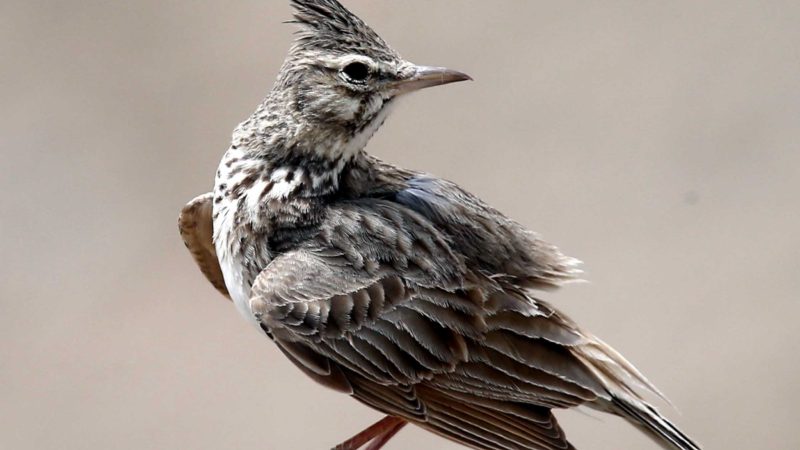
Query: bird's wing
x,y
381,307
196,226
350,294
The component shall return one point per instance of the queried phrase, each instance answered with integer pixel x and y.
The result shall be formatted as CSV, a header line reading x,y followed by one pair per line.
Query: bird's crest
x,y
327,25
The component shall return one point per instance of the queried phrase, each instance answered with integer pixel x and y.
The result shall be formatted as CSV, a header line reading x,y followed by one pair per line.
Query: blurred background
x,y
657,141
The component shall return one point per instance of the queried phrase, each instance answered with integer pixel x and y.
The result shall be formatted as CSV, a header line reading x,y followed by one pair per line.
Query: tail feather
x,y
649,420
622,381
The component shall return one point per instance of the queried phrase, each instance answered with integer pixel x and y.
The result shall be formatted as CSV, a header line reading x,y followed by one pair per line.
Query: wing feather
x,y
196,226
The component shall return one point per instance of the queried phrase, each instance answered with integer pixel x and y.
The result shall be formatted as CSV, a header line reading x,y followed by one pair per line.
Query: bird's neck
x,y
279,172
289,156
260,179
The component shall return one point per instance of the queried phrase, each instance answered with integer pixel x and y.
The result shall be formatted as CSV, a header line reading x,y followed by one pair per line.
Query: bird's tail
x,y
648,419
622,380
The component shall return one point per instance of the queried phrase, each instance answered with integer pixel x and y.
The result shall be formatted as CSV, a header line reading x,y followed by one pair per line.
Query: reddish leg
x,y
387,425
381,440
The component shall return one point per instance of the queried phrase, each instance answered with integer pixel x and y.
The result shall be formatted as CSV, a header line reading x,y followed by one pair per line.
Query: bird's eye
x,y
356,72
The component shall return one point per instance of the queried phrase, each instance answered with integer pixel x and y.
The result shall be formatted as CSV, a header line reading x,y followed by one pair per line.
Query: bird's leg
x,y
389,425
381,440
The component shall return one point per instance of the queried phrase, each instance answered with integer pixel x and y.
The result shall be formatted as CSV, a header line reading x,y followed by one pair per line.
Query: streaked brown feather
x,y
316,367
495,426
196,226
545,356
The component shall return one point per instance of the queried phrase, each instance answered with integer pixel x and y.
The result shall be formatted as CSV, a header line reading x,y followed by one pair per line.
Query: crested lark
x,y
390,285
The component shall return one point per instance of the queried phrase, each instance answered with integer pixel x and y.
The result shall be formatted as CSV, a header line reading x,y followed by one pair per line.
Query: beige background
x,y
657,141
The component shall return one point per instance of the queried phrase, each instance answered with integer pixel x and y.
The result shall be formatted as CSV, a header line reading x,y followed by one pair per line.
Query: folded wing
x,y
196,226
380,306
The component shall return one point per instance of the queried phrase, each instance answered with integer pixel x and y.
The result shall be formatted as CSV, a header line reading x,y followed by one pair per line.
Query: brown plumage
x,y
197,228
396,287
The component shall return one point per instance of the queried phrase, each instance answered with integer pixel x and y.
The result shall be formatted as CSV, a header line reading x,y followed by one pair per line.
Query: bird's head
x,y
340,78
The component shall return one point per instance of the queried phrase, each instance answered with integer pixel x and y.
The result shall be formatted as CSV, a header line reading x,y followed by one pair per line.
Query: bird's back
x,y
470,225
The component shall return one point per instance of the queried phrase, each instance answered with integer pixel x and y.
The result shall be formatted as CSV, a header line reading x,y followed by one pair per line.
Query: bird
x,y
391,285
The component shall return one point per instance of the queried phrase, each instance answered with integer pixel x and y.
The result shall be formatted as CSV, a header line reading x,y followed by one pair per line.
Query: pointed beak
x,y
425,77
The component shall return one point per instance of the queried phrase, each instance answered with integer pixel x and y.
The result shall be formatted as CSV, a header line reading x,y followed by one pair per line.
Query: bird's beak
x,y
425,77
